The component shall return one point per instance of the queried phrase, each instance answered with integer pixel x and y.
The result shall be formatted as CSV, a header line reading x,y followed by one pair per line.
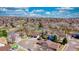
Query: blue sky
x,y
51,12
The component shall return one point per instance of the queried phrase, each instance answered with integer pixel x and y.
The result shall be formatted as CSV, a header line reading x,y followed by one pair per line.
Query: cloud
x,y
34,15
15,12
3,9
40,10
18,10
37,11
48,13
74,15
27,9
63,9
59,12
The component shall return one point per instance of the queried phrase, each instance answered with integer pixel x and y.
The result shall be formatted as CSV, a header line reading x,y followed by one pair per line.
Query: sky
x,y
50,12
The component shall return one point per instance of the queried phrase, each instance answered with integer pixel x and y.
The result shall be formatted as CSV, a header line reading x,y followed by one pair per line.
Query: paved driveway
x,y
73,45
